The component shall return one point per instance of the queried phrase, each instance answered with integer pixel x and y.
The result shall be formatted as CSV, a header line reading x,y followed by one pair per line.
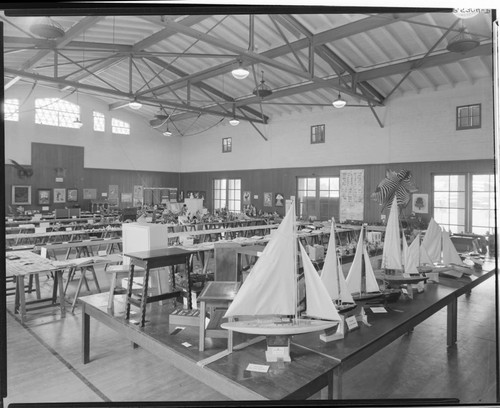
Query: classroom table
x,y
156,258
400,318
20,264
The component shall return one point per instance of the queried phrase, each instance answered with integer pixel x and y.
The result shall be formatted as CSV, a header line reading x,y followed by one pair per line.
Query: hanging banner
x,y
352,192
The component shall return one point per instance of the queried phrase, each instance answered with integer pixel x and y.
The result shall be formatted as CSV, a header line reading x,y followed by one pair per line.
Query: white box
x,y
316,252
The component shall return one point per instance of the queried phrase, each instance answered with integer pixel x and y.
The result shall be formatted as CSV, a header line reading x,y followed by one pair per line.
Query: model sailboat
x,y
439,251
333,277
361,280
399,263
267,302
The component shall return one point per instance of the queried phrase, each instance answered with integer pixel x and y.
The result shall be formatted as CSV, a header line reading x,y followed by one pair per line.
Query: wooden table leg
x,y
22,297
452,323
85,336
129,290
337,382
202,326
59,281
144,297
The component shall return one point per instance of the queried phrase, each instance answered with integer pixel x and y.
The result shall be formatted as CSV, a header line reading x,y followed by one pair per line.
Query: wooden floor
x,y
44,361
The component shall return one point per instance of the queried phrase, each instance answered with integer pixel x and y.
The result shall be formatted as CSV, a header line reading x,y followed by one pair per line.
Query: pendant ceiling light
x,y
234,122
47,28
135,104
240,72
262,90
339,102
167,132
462,42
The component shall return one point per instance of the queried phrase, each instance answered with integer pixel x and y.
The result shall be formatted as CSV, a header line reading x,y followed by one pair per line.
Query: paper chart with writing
x,y
352,189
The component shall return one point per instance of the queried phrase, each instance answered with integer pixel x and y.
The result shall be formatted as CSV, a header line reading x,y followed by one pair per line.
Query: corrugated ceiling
x,y
181,64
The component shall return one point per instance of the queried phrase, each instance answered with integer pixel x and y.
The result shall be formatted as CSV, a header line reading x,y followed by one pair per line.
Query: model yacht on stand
x,y
333,278
398,261
441,255
361,280
268,301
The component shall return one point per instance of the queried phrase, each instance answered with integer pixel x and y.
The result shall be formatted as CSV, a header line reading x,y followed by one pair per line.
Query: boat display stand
x,y
278,348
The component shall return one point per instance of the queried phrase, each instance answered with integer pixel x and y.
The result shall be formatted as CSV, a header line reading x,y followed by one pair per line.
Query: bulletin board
x,y
352,189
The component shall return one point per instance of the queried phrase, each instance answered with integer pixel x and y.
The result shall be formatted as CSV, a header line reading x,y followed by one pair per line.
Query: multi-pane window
x,y
120,127
450,201
227,145
483,203
318,134
318,197
56,112
227,194
469,117
99,122
11,109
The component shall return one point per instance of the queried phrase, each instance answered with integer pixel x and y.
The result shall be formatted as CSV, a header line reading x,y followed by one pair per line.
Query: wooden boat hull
x,y
366,296
345,307
276,327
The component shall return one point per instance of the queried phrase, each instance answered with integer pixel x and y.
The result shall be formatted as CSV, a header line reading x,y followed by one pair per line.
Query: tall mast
x,y
363,266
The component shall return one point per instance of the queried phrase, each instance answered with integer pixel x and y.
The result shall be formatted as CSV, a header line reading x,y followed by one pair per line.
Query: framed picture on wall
x,y
420,203
279,200
72,194
59,195
21,195
43,196
246,197
268,199
89,193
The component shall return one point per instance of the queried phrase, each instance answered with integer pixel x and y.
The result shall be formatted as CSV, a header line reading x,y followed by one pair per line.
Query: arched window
x,y
56,112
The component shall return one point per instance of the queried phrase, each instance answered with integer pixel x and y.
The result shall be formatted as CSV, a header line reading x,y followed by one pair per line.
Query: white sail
x,y
450,254
270,288
412,257
432,241
391,254
332,275
354,277
425,259
318,302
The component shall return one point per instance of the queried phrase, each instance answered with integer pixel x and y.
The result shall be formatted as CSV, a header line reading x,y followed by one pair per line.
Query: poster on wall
x,y
173,195
21,195
126,197
113,194
268,199
72,194
246,197
420,203
89,193
279,200
59,195
138,196
352,189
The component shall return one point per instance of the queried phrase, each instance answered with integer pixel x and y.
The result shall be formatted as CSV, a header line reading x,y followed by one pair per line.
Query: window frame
x,y
317,134
469,116
227,195
227,145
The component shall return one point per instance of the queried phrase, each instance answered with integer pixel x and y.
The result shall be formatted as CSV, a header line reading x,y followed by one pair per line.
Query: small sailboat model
x,y
267,302
361,280
333,277
399,261
439,252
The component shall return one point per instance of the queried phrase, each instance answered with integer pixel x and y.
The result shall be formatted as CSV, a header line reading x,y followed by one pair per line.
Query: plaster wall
x,y
415,128
144,149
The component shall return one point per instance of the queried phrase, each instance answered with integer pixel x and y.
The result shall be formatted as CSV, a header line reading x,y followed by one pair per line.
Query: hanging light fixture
x,y
463,42
339,102
47,28
240,72
135,104
234,122
167,133
262,90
